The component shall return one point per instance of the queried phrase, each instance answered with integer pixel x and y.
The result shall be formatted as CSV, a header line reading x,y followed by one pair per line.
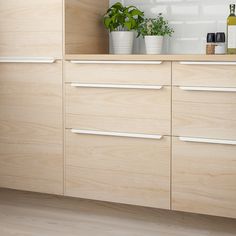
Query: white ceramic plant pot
x,y
122,42
154,44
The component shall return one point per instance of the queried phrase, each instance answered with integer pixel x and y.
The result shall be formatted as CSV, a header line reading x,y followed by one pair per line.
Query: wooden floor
x,y
30,214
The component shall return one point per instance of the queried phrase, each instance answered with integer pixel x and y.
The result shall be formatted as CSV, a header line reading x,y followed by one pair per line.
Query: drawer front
x,y
120,110
204,75
204,178
31,127
199,113
159,74
118,169
31,28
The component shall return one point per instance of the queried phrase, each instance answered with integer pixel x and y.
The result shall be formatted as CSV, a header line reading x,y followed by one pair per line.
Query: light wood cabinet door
x,y
118,169
31,28
31,127
213,74
126,73
204,177
200,112
119,109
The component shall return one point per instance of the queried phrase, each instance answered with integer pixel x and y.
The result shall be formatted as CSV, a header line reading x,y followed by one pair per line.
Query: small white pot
x,y
122,42
154,44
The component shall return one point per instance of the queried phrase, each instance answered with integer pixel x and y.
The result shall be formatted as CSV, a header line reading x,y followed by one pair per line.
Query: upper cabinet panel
x,y
31,28
31,15
84,30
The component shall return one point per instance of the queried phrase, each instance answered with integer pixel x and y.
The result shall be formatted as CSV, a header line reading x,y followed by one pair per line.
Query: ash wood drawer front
x,y
213,74
31,28
204,112
119,72
118,167
204,176
31,126
120,108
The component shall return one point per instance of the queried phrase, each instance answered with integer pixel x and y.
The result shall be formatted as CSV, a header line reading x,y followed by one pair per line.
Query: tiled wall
x,y
191,20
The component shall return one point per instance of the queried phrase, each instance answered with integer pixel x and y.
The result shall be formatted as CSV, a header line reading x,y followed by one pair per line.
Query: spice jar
x,y
220,43
211,40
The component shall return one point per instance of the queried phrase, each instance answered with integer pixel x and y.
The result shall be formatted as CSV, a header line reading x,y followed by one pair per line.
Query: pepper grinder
x,y
211,40
220,43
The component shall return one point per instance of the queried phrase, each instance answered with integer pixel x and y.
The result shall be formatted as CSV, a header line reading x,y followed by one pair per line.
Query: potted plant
x,y
154,30
122,21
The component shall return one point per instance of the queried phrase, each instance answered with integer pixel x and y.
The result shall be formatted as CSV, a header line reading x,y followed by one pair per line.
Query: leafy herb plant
x,y
121,18
155,27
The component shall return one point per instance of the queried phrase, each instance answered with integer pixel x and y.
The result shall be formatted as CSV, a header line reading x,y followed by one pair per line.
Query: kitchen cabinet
x,y
204,138
118,132
149,130
31,148
31,137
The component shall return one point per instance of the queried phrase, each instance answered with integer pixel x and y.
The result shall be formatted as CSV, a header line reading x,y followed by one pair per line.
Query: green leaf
x,y
128,25
107,22
136,12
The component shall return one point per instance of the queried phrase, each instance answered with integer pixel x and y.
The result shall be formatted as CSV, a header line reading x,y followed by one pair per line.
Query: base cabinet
x,y
118,169
31,147
204,178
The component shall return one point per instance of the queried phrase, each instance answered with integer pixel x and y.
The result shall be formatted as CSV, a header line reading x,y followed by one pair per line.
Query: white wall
x,y
191,20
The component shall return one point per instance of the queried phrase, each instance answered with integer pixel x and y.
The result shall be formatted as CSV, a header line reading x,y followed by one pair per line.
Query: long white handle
x,y
118,62
210,141
117,134
210,89
208,63
116,86
27,60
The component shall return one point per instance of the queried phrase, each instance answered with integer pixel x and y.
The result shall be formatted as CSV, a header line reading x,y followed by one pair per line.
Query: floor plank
x,y
31,214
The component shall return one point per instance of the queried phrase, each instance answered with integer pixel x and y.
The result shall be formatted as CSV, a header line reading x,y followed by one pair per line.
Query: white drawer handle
x,y
118,62
116,86
210,141
27,60
210,89
208,63
116,134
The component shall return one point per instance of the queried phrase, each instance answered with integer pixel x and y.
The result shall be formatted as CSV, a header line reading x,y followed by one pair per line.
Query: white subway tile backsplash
x,y
191,20
190,10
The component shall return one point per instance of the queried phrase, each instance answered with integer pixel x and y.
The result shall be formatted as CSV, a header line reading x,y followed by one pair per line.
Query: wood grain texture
x,y
120,110
31,44
204,114
204,178
31,127
33,214
31,28
119,74
84,30
117,169
204,75
144,57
